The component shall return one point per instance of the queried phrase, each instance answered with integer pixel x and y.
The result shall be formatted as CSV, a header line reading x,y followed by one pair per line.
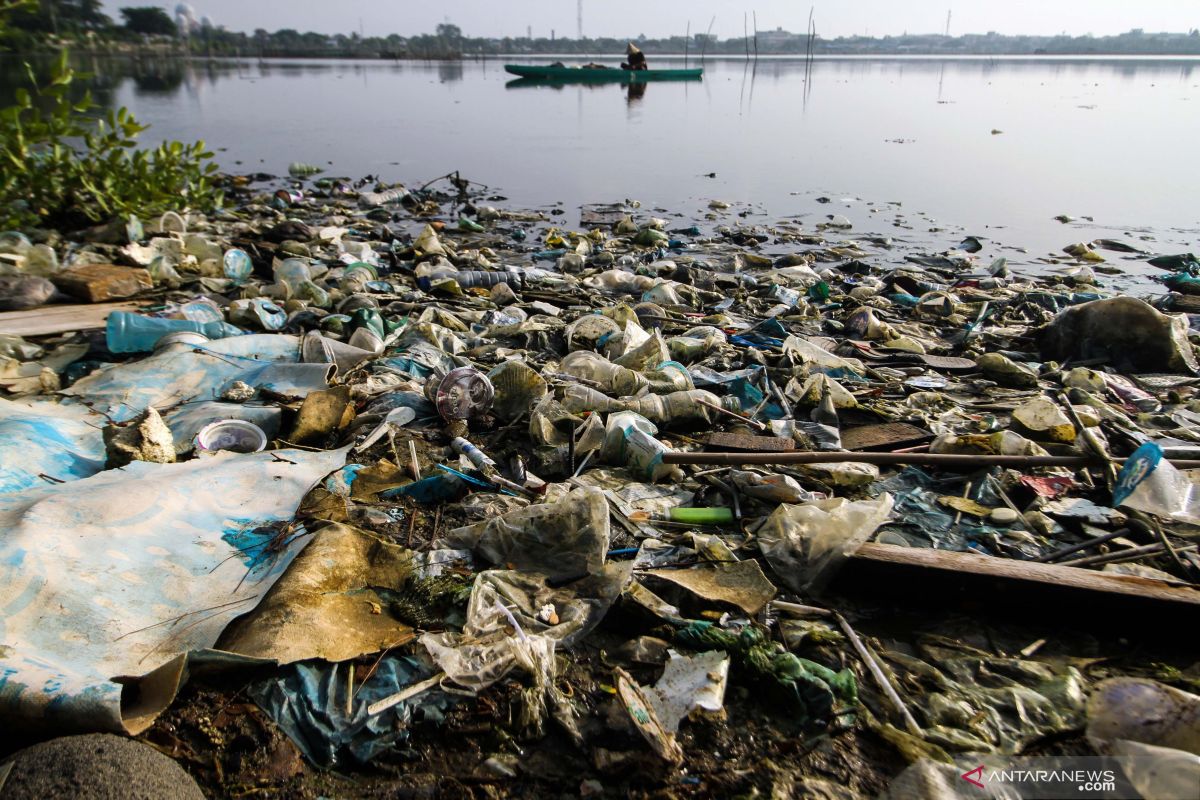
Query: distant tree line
x,y
42,21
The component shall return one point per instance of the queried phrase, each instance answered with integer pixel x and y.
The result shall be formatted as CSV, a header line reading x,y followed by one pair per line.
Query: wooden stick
x,y
880,677
930,459
379,706
1075,548
412,454
1129,554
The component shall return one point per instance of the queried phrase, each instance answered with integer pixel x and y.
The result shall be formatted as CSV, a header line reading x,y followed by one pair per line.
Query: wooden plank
x,y
886,435
60,318
1055,575
741,441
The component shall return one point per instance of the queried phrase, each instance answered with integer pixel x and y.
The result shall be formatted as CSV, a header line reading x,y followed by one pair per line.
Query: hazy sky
x,y
666,17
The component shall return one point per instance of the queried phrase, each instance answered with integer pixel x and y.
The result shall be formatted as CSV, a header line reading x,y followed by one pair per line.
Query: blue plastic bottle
x,y
132,333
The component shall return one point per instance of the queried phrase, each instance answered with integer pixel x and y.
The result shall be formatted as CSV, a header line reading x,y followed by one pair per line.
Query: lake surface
x,y
995,147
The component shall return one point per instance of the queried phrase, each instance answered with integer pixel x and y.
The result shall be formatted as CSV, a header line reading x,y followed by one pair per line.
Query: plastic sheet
x,y
561,540
39,438
806,544
182,373
309,703
119,573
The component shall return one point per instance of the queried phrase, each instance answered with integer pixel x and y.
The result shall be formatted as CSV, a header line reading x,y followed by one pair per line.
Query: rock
x,y
1042,420
98,766
1125,331
238,392
98,283
1006,372
18,292
146,438
1003,516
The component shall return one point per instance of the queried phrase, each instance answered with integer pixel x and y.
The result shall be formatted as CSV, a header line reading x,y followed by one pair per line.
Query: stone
x,y
98,766
146,438
1003,516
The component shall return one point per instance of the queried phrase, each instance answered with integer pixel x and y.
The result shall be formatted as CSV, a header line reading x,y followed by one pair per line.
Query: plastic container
x,y
658,408
469,279
461,393
479,459
237,264
609,377
127,332
292,272
235,435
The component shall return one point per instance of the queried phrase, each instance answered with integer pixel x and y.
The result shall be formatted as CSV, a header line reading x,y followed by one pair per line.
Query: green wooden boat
x,y
601,74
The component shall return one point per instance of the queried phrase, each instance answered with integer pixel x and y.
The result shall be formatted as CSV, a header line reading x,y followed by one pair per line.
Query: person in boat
x,y
637,59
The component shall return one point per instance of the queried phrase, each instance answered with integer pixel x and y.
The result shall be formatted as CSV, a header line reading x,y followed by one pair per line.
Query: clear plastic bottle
x,y
687,406
127,332
596,368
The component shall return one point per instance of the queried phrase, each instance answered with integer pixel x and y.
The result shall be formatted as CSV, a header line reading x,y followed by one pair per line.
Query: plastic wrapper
x,y
1150,483
774,488
562,540
629,441
806,544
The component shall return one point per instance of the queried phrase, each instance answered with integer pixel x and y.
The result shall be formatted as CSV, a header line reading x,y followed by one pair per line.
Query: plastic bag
x,y
806,544
563,540
1149,483
1153,730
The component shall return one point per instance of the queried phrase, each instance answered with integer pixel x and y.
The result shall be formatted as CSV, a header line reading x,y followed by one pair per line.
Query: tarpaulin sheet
x,y
38,437
119,574
181,373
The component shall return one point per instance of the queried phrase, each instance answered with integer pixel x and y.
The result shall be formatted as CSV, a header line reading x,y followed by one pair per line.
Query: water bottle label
x,y
1137,468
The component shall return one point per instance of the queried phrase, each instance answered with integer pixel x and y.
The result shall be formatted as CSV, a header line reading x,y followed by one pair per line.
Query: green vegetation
x,y
149,20
62,165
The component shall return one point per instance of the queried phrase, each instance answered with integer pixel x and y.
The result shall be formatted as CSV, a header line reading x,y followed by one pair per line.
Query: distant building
x,y
776,38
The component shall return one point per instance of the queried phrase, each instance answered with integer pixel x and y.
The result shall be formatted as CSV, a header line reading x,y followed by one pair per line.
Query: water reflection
x,y
1109,138
450,71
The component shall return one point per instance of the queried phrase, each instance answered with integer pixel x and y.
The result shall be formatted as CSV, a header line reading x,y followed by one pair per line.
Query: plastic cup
x,y
235,435
461,393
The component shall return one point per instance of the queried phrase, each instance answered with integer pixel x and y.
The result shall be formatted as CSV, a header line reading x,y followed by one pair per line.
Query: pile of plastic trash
x,y
406,450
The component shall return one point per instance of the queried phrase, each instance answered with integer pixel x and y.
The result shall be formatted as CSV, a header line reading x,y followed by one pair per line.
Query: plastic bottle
x,y
479,459
610,377
621,281
658,408
468,279
376,199
127,332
